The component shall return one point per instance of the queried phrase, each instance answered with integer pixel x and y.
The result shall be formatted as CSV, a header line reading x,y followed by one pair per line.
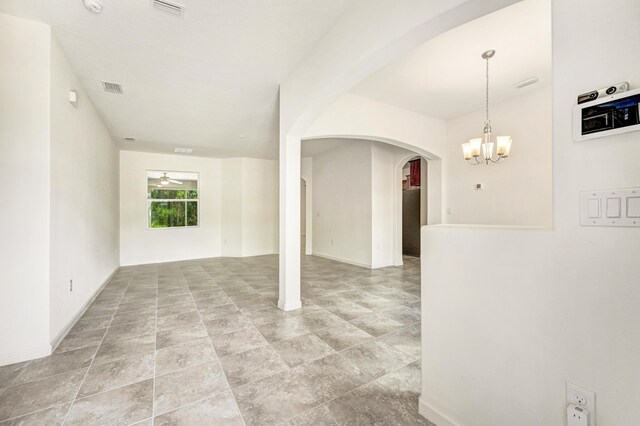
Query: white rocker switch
x,y
594,208
613,207
633,207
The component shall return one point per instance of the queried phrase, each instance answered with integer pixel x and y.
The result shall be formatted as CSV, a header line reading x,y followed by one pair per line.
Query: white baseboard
x,y
56,341
338,259
220,256
25,354
291,306
434,415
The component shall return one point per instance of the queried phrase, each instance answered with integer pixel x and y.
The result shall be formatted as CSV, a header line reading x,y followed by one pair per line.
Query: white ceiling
x,y
200,81
445,77
313,147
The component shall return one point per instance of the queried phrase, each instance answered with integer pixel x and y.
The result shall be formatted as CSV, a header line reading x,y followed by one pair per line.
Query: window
x,y
172,199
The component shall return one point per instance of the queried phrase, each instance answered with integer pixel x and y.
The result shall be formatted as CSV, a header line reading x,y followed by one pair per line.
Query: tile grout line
x,y
336,352
351,390
38,410
94,357
250,323
155,354
217,357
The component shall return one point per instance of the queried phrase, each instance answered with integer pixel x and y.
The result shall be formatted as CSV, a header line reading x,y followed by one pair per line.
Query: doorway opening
x,y
414,204
303,216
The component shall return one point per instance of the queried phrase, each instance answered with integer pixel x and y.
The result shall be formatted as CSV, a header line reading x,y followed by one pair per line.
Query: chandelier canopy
x,y
481,150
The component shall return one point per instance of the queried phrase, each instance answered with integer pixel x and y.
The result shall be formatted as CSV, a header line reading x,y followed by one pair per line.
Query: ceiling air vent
x,y
524,83
170,7
183,150
112,87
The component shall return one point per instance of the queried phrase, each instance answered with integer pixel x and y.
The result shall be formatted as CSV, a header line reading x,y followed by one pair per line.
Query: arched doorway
x,y
414,204
303,216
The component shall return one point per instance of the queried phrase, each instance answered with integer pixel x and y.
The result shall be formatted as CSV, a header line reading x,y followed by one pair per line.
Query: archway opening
x,y
414,204
303,216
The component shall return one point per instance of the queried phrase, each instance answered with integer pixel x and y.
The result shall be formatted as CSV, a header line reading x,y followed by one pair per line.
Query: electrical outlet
x,y
70,285
577,415
582,398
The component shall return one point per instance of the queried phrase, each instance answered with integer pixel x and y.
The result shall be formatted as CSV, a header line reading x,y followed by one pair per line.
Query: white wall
x,y
84,197
342,203
352,116
357,191
557,305
376,35
356,116
306,173
517,191
62,172
24,170
384,187
231,205
139,245
238,209
259,206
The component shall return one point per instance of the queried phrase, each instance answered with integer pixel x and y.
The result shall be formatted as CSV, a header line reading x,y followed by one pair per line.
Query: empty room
x,y
320,212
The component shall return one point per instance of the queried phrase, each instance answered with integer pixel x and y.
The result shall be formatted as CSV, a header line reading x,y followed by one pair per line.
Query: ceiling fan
x,y
165,180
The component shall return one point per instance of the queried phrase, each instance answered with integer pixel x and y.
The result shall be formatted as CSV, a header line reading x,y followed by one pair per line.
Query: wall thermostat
x,y
607,115
479,186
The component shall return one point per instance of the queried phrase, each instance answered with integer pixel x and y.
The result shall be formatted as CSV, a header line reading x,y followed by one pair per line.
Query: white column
x,y
289,223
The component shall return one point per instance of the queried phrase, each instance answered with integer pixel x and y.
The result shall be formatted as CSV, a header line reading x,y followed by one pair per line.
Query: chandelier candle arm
x,y
485,145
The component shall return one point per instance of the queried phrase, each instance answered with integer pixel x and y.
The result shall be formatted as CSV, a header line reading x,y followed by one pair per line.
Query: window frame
x,y
148,200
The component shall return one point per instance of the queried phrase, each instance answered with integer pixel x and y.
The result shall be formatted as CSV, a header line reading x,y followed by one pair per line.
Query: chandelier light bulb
x,y
503,145
466,150
476,145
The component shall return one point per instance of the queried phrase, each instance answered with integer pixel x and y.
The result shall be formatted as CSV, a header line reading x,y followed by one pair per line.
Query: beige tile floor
x,y
202,342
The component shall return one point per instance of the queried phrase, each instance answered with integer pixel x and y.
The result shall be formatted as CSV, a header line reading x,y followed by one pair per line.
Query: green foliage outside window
x,y
173,212
166,214
192,213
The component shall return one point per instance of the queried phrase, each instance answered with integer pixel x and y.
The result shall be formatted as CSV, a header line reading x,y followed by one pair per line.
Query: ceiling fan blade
x,y
175,181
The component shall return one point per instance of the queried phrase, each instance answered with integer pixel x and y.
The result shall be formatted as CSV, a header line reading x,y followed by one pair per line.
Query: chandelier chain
x,y
487,121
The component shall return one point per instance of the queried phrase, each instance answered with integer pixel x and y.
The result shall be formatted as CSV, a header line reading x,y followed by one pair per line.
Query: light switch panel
x,y
611,207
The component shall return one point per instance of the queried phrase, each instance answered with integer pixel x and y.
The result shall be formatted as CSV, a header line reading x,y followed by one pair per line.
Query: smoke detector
x,y
112,87
93,6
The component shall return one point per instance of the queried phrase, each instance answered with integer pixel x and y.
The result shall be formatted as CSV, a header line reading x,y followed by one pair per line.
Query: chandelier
x,y
481,150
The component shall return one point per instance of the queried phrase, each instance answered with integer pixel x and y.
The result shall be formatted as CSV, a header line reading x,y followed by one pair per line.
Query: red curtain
x,y
414,170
